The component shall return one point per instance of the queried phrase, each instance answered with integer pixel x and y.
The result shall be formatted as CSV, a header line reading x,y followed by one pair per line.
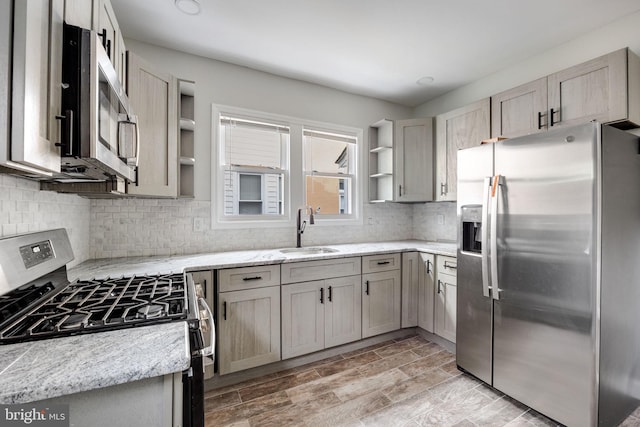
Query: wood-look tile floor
x,y
406,382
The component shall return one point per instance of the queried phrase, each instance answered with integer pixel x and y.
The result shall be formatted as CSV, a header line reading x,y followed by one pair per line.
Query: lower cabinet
x,y
249,328
410,284
381,302
320,314
426,291
446,298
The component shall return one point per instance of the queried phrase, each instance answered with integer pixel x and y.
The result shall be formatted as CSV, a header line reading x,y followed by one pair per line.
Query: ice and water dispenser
x,y
472,228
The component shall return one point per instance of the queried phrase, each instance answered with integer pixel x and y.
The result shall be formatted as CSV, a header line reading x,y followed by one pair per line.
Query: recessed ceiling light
x,y
424,81
190,7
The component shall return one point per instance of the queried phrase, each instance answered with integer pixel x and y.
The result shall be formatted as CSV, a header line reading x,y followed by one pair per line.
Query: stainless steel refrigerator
x,y
548,307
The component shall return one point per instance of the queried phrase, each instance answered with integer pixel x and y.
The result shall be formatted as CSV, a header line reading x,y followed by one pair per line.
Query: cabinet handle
x,y
108,49
248,279
443,188
103,36
384,262
400,190
551,113
321,295
224,310
539,119
366,287
428,266
447,264
330,296
439,283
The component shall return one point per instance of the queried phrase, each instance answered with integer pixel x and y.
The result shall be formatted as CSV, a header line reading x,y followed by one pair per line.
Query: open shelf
x,y
187,124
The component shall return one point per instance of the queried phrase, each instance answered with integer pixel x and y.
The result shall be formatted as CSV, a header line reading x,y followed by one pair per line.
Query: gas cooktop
x,y
94,305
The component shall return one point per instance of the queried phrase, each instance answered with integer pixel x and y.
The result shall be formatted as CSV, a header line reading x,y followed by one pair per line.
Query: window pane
x,y
327,155
330,194
247,144
250,187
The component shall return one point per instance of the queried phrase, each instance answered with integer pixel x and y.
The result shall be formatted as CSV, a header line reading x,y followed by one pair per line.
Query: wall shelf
x,y
187,123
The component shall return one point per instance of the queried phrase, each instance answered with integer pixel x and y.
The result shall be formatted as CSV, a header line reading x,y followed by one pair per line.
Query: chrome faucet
x,y
300,225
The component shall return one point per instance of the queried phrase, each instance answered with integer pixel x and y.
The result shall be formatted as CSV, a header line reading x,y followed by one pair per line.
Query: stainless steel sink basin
x,y
307,251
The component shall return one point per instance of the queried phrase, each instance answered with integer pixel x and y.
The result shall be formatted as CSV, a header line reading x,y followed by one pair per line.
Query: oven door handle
x,y
209,351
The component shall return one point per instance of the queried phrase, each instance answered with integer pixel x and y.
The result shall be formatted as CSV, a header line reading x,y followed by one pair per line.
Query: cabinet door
x,y
594,90
462,128
380,303
302,318
445,307
520,111
153,96
249,328
410,284
79,13
413,157
426,292
37,77
343,319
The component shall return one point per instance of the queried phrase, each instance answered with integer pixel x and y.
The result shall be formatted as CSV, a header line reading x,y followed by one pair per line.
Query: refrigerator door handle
x,y
496,191
484,250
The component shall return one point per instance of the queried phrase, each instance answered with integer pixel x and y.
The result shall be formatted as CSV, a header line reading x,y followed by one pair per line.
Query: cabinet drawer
x,y
375,263
317,270
235,279
446,265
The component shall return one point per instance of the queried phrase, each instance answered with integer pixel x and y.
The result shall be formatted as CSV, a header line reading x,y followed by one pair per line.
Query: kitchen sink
x,y
307,251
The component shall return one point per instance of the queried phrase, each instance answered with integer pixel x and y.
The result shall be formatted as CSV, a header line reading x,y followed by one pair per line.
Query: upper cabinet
x,y
458,129
98,15
520,111
37,77
606,89
400,160
153,95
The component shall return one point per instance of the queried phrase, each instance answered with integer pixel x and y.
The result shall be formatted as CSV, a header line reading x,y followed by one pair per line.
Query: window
x,y
329,171
266,166
254,155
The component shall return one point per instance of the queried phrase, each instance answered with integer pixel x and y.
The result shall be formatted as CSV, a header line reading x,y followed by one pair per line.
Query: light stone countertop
x,y
115,267
38,370
44,369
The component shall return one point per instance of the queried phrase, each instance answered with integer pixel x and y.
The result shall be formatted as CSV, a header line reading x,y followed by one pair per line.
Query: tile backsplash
x,y
143,227
107,228
435,221
24,208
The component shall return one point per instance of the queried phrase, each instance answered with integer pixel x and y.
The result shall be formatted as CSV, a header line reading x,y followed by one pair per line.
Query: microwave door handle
x,y
486,287
496,193
208,351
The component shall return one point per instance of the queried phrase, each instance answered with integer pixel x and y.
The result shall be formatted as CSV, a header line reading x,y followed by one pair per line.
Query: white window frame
x,y
353,176
294,177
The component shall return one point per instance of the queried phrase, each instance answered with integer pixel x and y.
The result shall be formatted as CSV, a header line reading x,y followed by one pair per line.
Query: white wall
x,y
165,227
621,33
226,84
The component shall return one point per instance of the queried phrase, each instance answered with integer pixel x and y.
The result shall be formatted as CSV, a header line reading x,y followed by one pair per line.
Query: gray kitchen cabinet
x,y
426,291
98,15
445,298
520,111
320,314
248,322
36,85
400,160
458,129
381,298
606,89
410,286
153,96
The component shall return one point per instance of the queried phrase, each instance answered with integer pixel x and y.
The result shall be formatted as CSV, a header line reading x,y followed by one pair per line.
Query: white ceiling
x,y
378,48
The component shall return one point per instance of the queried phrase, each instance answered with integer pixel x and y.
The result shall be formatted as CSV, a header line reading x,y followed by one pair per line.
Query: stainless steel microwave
x,y
99,129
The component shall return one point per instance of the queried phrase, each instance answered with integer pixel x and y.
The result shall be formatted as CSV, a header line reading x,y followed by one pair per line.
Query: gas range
x,y
38,302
